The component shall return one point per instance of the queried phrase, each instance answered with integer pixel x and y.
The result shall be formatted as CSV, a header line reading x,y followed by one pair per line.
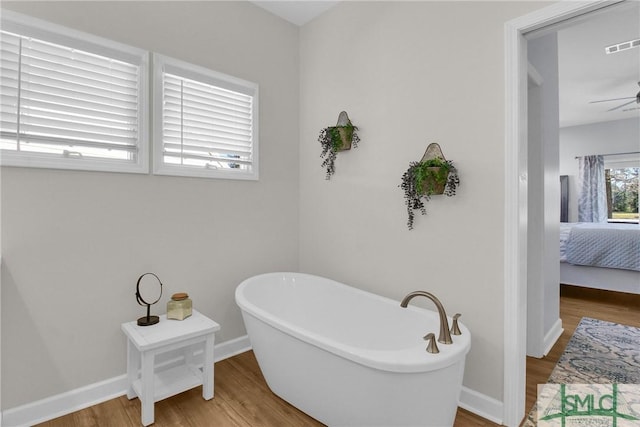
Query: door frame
x,y
515,208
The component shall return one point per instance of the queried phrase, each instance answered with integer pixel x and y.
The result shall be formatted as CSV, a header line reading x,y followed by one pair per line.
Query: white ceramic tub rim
x,y
414,359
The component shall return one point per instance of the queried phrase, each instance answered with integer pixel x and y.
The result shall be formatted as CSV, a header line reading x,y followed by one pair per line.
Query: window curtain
x,y
592,197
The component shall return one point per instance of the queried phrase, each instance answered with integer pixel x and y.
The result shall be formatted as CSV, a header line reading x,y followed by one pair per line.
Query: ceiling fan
x,y
635,99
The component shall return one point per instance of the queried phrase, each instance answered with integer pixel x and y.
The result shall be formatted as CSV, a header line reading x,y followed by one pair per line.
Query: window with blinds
x,y
70,100
205,122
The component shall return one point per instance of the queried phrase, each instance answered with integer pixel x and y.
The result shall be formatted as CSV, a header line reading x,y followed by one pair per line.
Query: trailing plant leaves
x,y
413,181
331,143
452,183
355,138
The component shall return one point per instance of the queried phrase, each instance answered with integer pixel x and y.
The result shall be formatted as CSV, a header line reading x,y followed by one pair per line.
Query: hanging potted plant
x,y
430,176
337,138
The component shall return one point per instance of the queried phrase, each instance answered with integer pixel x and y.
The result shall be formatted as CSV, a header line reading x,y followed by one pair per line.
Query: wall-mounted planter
x,y
432,175
334,139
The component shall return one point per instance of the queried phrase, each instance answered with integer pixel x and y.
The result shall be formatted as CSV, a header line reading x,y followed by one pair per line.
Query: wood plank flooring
x,y
243,399
576,303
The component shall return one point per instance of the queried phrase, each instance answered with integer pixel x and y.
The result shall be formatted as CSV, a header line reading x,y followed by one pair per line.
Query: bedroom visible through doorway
x,y
546,21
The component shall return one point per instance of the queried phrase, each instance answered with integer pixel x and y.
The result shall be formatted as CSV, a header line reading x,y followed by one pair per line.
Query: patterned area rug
x,y
599,352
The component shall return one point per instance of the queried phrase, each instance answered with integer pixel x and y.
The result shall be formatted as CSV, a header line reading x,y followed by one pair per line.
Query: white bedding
x,y
565,231
601,245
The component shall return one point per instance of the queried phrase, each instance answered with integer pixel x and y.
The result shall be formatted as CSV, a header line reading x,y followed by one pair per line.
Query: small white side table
x,y
145,342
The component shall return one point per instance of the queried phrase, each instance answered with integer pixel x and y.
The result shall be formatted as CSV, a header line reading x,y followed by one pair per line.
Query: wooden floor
x,y
576,303
243,399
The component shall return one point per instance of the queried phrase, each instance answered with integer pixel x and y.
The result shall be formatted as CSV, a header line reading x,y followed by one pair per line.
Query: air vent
x,y
622,46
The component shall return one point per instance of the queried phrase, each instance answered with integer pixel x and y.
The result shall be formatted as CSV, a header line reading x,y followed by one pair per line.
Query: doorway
x,y
573,112
516,194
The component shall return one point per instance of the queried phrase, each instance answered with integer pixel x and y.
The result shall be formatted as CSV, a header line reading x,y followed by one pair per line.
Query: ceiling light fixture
x,y
622,46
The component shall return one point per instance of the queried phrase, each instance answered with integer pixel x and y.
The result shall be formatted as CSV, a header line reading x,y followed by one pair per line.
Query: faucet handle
x,y
455,329
432,347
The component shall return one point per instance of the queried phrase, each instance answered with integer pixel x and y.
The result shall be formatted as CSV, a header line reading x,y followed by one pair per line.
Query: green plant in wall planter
x,y
337,138
430,176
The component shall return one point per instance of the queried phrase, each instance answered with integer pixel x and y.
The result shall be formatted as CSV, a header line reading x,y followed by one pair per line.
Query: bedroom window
x,y
205,122
622,194
70,100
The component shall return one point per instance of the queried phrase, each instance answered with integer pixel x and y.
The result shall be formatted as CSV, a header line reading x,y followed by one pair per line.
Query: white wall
x,y
74,243
618,136
408,73
543,247
411,73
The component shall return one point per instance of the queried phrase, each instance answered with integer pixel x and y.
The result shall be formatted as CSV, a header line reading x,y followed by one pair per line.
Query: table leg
x,y
207,369
147,380
133,366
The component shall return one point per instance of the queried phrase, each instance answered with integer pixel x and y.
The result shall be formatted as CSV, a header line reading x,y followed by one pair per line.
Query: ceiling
x,y
586,72
298,12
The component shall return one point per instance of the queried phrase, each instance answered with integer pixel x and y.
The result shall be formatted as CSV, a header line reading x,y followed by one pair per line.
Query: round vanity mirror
x,y
148,292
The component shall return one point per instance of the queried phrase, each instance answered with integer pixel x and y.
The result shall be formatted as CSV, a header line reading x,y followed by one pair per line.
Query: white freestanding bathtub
x,y
348,357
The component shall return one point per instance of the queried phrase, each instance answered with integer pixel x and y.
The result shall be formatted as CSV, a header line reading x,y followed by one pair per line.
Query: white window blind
x,y
207,122
66,107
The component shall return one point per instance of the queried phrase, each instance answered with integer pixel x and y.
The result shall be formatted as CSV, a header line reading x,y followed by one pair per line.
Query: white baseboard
x,y
93,394
65,403
231,348
481,405
552,336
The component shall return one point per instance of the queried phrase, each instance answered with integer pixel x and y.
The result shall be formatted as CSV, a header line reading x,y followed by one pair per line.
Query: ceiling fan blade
x,y
613,99
623,105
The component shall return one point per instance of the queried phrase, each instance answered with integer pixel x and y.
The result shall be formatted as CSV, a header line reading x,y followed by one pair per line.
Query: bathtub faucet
x,y
445,335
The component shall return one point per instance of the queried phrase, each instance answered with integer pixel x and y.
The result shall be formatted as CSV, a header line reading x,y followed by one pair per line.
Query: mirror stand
x,y
147,320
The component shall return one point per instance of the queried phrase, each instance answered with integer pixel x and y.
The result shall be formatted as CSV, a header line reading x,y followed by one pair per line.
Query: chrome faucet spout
x,y
445,335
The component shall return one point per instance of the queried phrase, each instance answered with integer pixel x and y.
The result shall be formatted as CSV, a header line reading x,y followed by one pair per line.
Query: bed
x,y
601,256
